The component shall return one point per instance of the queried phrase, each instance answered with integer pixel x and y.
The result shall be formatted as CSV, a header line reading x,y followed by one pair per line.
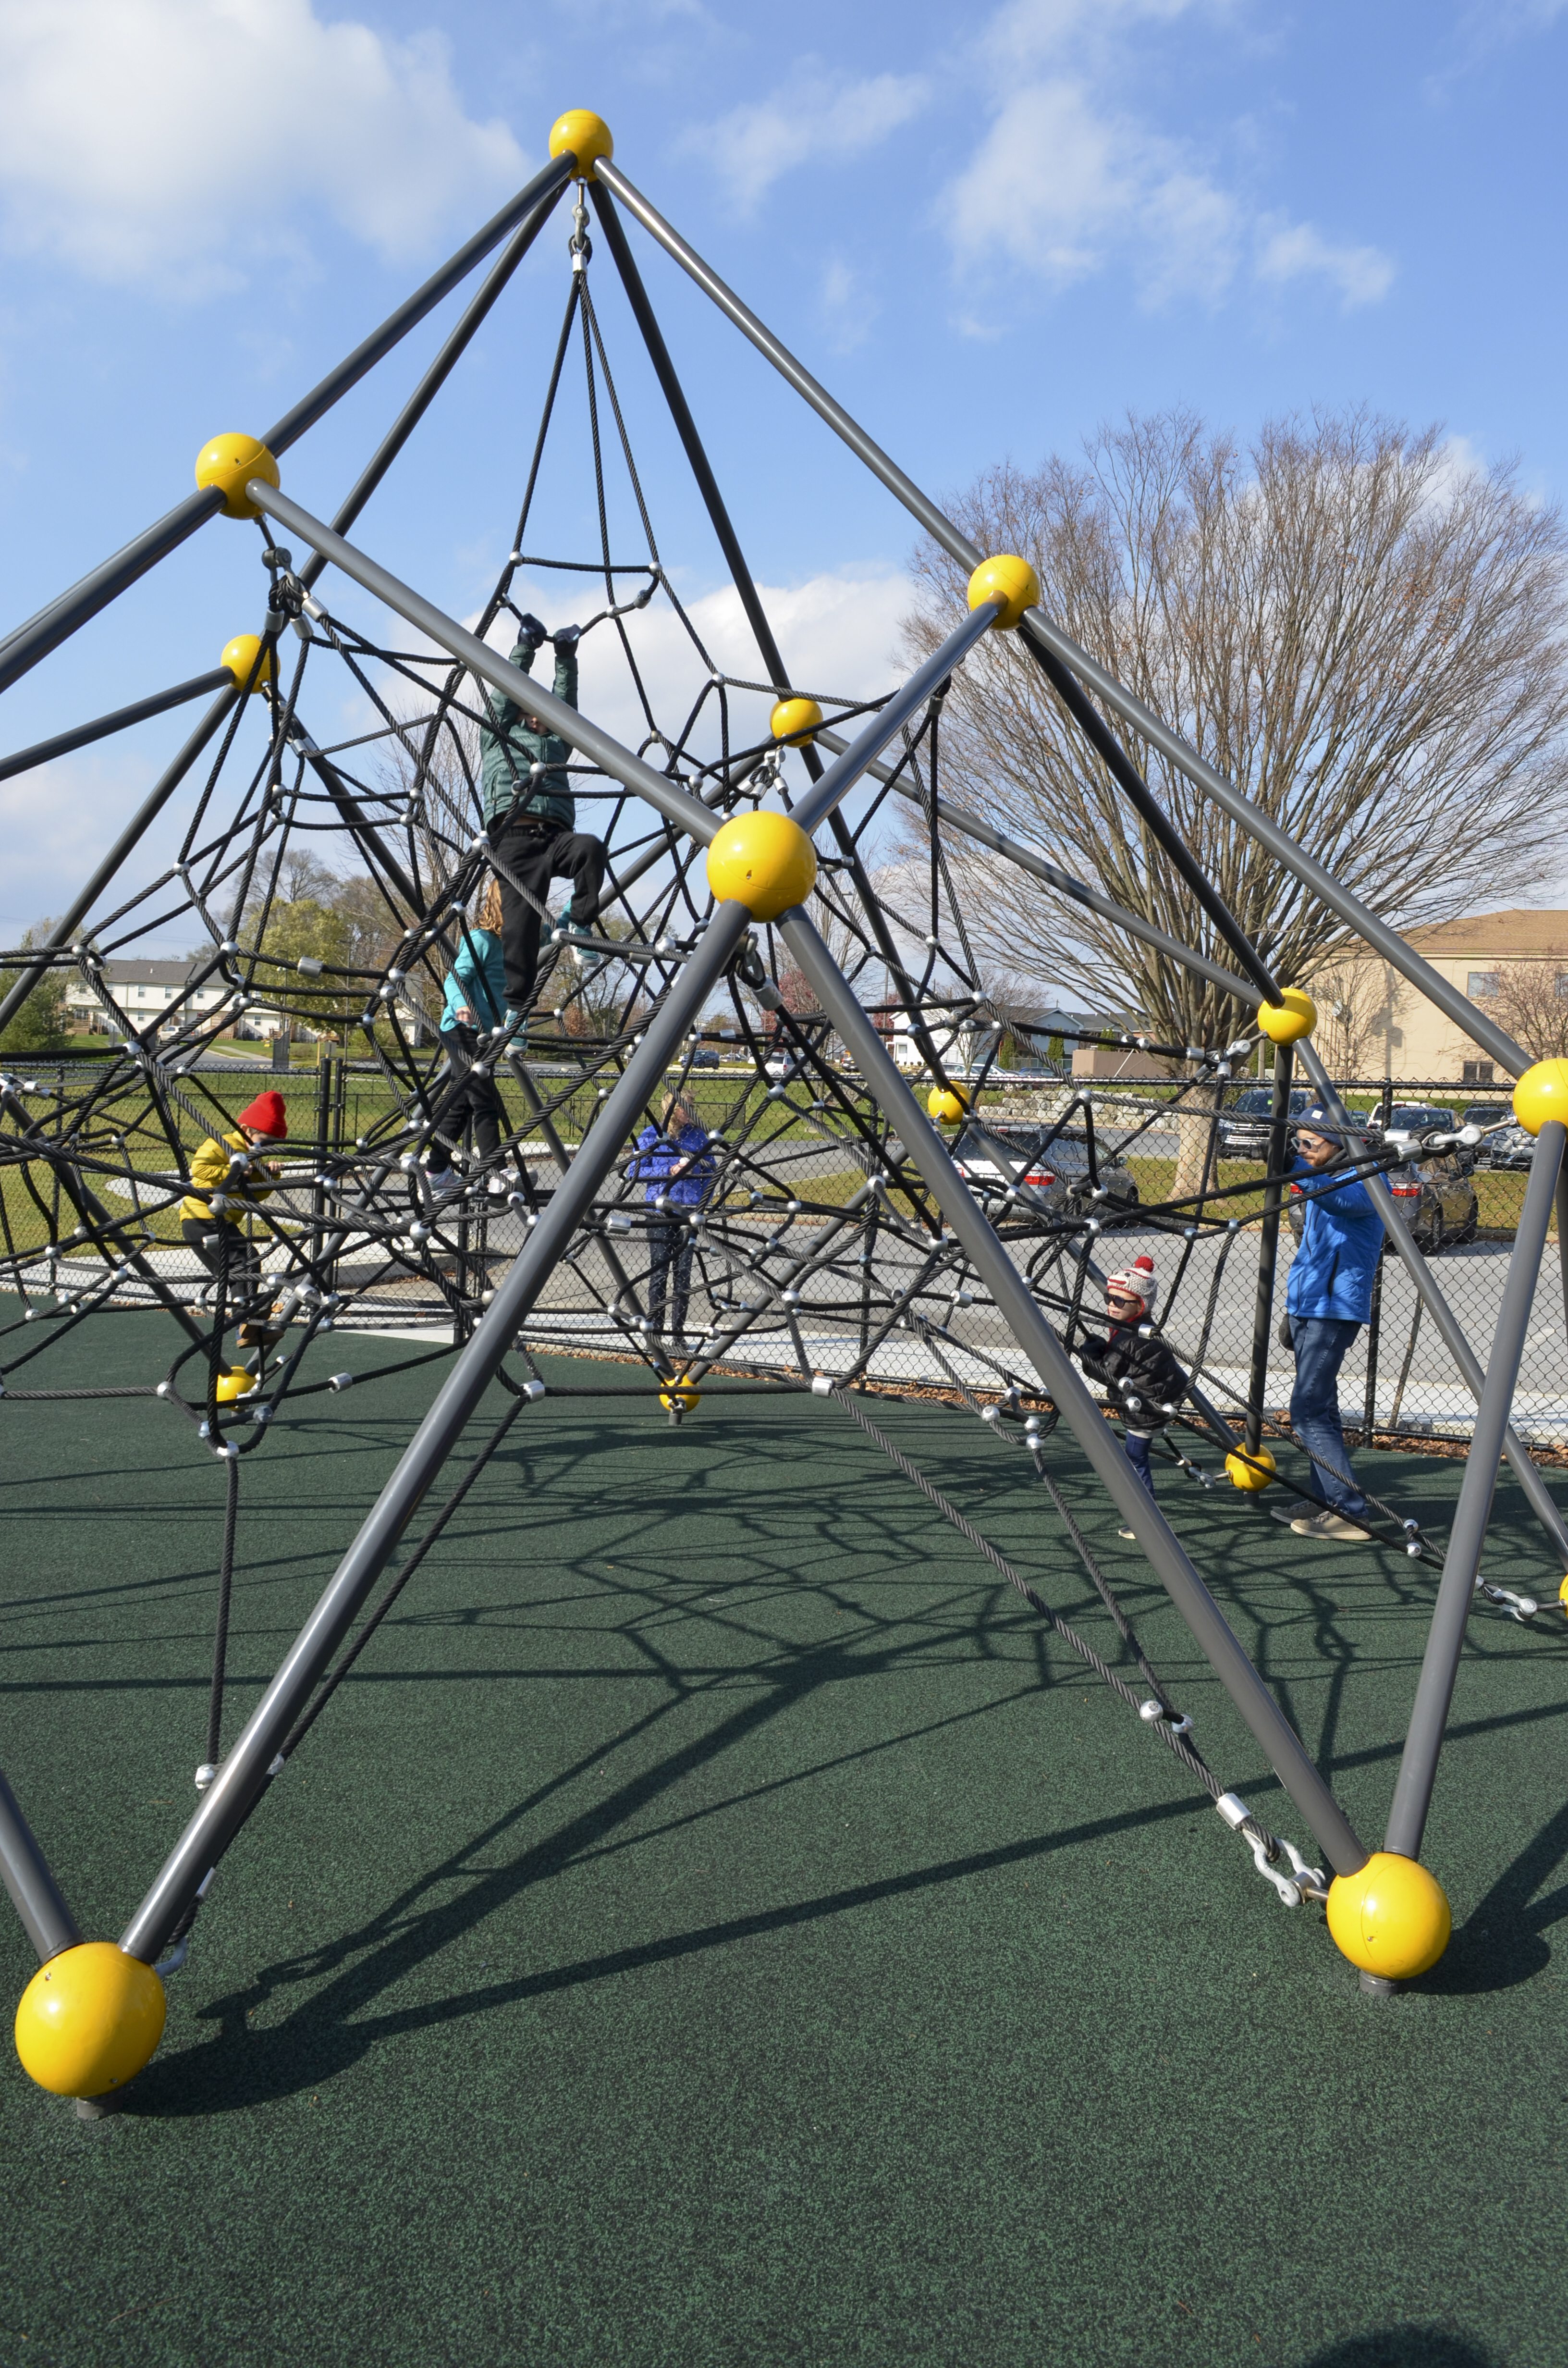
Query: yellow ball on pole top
x,y
1286,1022
235,1384
584,135
763,860
1243,1469
1540,1095
239,656
89,2020
1390,1917
793,721
947,1104
1006,578
228,462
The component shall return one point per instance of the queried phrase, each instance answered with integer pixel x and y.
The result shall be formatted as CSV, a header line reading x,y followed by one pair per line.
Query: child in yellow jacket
x,y
214,1233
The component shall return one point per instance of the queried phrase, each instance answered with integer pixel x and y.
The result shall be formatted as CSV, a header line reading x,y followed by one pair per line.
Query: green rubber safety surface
x,y
715,1924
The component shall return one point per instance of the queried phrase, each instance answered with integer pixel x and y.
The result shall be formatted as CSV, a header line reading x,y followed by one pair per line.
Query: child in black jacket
x,y
1146,1384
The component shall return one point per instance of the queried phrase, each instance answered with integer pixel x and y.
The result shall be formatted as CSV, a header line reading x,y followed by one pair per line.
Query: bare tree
x,y
1530,1001
1368,640
1359,998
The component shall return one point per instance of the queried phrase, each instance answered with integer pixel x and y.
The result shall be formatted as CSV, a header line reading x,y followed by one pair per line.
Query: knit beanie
x,y
266,1115
1138,1278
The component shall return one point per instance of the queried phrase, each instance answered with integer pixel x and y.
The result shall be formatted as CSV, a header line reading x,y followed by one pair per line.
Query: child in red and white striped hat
x,y
1143,1379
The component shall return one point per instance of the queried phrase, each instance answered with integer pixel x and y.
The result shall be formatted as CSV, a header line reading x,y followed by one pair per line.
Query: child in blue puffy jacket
x,y
677,1169
475,1003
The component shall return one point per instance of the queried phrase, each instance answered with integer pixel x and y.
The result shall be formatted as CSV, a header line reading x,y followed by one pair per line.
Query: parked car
x,y
1410,1118
1509,1147
1059,1173
705,1057
1487,1114
1434,1196
1244,1128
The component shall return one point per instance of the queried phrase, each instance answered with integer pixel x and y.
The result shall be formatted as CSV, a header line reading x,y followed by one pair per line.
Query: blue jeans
x,y
1321,1343
1138,1456
671,1247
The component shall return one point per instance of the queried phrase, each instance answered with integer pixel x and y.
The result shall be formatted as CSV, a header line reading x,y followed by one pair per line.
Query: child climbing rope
x,y
531,816
474,1002
677,1168
216,1233
1146,1384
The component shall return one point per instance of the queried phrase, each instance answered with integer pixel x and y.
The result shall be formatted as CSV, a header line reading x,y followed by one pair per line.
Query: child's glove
x,y
567,638
531,630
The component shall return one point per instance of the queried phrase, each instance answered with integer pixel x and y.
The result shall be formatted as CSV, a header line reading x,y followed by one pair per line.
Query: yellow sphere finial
x,y
763,860
793,721
1008,579
1286,1022
585,136
947,1104
1390,1916
228,462
680,1398
1542,1094
89,2020
1244,1474
239,656
235,1384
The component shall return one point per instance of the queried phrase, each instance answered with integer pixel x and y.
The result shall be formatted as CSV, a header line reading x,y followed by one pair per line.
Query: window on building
x,y
1481,986
1479,1073
1562,983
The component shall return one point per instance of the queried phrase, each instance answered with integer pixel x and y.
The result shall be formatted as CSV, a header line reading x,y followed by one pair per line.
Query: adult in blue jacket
x,y
473,1004
677,1169
1327,1300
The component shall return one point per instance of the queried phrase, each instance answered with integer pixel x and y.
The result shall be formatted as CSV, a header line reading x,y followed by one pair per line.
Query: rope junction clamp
x,y
1303,1881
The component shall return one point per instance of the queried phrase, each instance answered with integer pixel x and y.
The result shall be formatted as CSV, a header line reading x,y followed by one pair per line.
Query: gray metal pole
x,y
1025,857
35,1895
1268,1251
799,378
27,644
942,531
1439,1666
55,623
136,828
841,776
1281,845
474,314
232,1792
396,326
1272,1729
1531,1479
82,735
675,804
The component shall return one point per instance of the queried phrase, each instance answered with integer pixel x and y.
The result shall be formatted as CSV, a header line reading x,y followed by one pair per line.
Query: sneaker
x,y
496,1188
1305,1508
1127,1533
572,936
1326,1524
443,1184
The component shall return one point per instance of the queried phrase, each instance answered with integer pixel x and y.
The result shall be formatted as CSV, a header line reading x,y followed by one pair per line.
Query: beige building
x,y
1371,1023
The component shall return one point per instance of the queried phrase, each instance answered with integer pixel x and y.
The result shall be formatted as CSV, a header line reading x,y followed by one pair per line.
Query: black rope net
x,y
801,1248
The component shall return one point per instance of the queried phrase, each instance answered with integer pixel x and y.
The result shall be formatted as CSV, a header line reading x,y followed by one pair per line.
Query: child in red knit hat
x,y
1145,1383
226,1187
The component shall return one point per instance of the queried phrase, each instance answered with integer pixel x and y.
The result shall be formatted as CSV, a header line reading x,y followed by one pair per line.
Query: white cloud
x,y
807,120
1084,185
838,633
1068,182
1292,251
187,142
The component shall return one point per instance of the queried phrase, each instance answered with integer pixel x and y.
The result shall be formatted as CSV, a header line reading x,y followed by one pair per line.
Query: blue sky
x,y
985,233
